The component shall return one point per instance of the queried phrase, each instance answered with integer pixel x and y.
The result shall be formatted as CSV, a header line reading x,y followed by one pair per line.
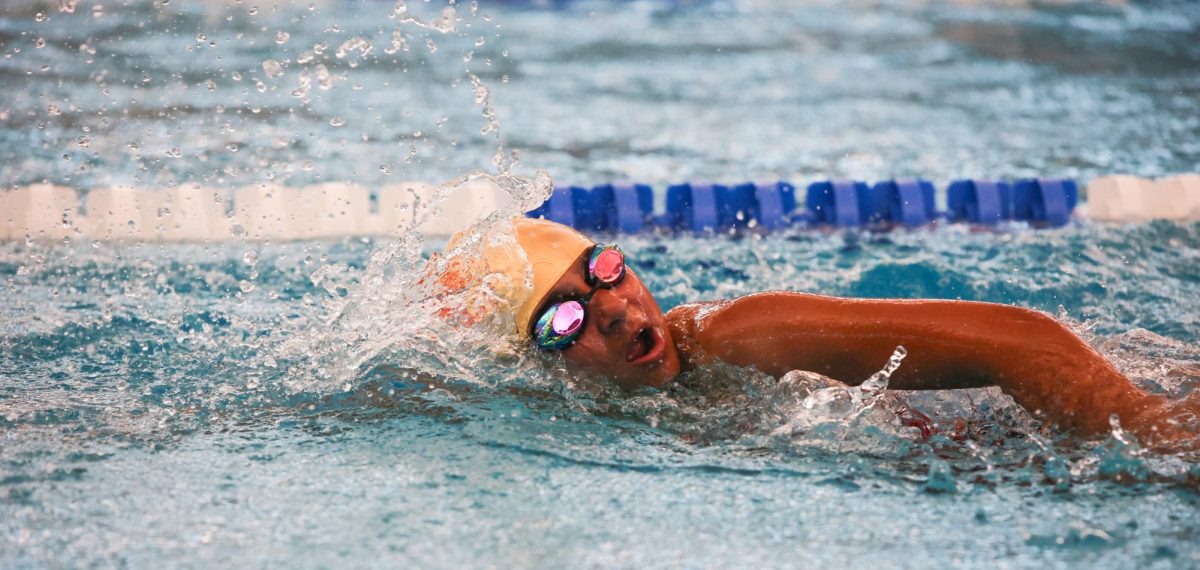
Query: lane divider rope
x,y
266,212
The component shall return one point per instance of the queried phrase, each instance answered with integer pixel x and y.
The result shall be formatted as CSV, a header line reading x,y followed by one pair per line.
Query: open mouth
x,y
646,346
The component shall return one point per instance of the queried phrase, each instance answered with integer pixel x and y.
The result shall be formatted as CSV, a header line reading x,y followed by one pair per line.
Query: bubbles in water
x,y
347,50
272,68
324,78
398,43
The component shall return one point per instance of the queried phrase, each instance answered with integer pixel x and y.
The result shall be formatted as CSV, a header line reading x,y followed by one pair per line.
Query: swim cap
x,y
551,249
516,272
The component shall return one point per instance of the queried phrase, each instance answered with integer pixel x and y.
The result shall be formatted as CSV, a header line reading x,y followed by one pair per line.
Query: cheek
x,y
589,352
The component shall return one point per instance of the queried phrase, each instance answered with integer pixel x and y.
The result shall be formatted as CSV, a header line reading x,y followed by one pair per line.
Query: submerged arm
x,y
951,344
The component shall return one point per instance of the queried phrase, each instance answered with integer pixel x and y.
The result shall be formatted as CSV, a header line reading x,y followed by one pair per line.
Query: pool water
x,y
263,404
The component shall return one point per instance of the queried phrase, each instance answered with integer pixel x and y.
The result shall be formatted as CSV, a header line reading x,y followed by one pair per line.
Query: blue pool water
x,y
258,404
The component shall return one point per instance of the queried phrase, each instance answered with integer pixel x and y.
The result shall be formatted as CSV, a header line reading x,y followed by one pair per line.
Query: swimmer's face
x,y
625,336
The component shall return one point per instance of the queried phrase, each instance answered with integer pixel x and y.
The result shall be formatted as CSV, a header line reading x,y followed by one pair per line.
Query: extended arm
x,y
951,344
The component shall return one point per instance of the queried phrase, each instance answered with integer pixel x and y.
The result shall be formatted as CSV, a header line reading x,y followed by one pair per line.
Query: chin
x,y
657,377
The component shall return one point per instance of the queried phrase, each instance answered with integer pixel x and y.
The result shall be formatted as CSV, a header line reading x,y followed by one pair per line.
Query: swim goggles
x,y
562,322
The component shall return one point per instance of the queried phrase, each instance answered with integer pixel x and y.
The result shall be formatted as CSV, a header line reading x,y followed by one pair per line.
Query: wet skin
x,y
951,344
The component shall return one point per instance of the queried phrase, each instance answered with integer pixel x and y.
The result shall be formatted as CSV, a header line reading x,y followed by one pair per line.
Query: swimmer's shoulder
x,y
686,323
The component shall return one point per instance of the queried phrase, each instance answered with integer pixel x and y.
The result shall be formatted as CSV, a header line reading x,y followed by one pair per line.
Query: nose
x,y
609,310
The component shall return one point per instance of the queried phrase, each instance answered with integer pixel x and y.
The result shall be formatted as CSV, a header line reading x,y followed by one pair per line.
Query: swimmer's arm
x,y
951,344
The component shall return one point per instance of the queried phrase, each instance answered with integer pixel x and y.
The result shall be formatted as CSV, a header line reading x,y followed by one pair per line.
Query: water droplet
x,y
385,168
39,17
236,76
212,85
67,6
232,147
245,286
305,57
250,257
39,43
201,38
337,122
53,110
272,68
324,78
97,10
282,37
254,11
238,230
175,153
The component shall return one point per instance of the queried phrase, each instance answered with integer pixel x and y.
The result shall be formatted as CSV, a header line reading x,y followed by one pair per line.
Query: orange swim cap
x,y
519,272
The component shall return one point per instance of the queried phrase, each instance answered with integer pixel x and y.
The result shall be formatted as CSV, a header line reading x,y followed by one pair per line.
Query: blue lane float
x,y
843,203
1045,200
631,206
979,201
773,202
707,207
904,201
692,206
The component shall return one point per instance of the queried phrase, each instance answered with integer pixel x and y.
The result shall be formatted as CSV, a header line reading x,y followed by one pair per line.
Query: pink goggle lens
x,y
608,266
568,318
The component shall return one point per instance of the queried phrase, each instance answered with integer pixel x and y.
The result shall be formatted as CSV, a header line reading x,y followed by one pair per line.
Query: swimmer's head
x,y
624,335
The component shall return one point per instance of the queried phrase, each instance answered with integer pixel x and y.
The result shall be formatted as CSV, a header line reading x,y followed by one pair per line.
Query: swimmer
x,y
588,304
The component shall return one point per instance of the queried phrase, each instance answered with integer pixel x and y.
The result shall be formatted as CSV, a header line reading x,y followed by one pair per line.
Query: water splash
x,y
825,400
